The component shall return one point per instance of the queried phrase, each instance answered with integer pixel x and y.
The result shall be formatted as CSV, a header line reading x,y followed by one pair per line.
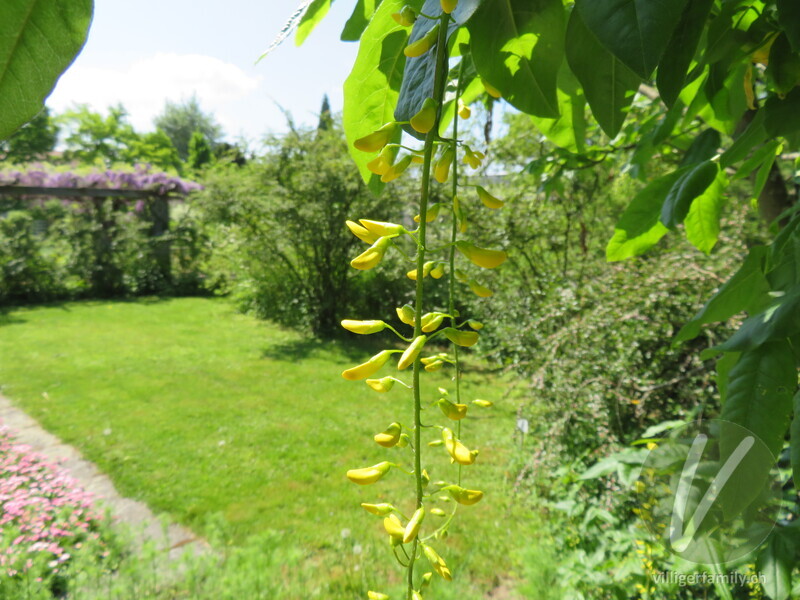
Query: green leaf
x,y
789,17
419,74
704,147
702,221
742,292
359,20
795,437
517,46
764,169
568,131
783,261
315,12
783,70
724,365
782,116
636,31
39,39
693,181
678,55
759,399
752,136
775,563
608,84
778,320
639,228
373,86
765,153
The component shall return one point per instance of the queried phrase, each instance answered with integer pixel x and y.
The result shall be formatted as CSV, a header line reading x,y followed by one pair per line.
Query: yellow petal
x,y
422,45
461,338
382,228
483,257
363,327
488,200
411,353
376,140
381,385
366,369
370,258
361,233
393,526
425,119
368,475
413,525
389,437
381,510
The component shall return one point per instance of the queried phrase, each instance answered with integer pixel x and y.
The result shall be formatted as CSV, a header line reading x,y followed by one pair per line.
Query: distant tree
x,y
33,141
232,153
180,120
93,138
325,117
199,151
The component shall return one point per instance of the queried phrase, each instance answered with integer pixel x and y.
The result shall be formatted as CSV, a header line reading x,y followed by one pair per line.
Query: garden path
x,y
171,539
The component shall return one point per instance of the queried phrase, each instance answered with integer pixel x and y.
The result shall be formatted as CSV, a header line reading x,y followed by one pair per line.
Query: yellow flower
x,y
366,369
411,353
381,385
485,258
449,6
476,325
376,140
426,270
454,412
361,233
482,403
370,258
431,214
382,228
490,89
442,169
396,169
363,327
406,17
488,200
388,438
461,338
406,314
438,512
381,510
394,526
425,119
437,562
457,451
471,158
438,271
413,525
464,496
478,289
369,475
423,44
377,596
463,110
381,163
431,321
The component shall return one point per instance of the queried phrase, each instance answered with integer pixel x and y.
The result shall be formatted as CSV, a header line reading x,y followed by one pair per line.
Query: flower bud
x,y
370,258
438,271
471,158
449,6
377,596
403,441
381,163
435,443
368,475
425,119
363,327
488,200
435,511
482,403
396,169
431,321
381,228
478,289
413,525
461,338
463,110
381,385
483,257
394,527
423,44
411,353
490,89
389,437
442,169
366,369
457,451
406,17
464,496
426,269
476,325
431,214
437,562
434,366
381,510
415,595
376,140
426,479
417,159
361,233
406,314
454,412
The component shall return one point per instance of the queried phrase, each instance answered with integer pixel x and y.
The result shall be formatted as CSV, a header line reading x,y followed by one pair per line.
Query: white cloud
x,y
144,85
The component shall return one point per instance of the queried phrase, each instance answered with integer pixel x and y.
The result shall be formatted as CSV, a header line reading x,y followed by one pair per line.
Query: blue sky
x,y
145,52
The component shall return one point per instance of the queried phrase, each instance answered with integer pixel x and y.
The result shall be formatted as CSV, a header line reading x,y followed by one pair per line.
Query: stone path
x,y
173,540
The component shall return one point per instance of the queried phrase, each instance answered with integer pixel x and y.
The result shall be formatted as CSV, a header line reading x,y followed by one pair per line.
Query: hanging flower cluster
x,y
432,336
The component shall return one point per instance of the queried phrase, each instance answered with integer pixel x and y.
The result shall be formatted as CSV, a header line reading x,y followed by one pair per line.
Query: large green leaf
x,y
420,71
359,19
314,14
636,31
789,17
795,437
778,320
38,41
760,392
783,70
693,182
783,261
742,292
678,55
517,46
775,563
702,221
640,227
703,147
608,84
764,154
782,115
373,86
753,135
568,131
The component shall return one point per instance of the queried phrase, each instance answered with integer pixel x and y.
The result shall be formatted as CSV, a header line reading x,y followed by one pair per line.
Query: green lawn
x,y
200,411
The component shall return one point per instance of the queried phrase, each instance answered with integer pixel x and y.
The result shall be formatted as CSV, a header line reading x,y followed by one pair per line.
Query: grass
x,y
205,413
